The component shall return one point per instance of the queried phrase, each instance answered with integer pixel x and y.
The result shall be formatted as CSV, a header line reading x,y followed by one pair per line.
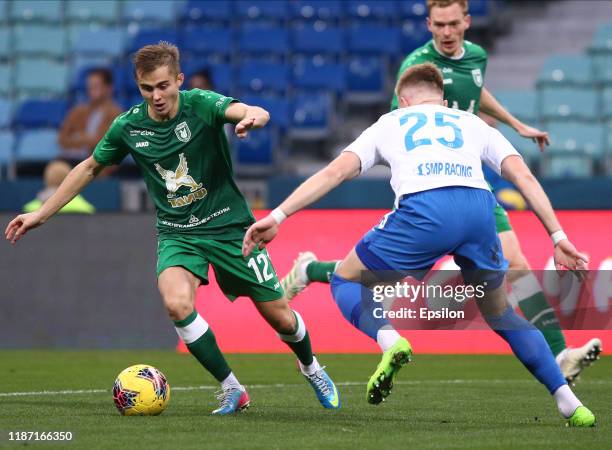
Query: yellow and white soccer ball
x,y
141,390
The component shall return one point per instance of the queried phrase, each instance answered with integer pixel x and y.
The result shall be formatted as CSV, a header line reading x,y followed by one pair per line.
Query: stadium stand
x,y
307,61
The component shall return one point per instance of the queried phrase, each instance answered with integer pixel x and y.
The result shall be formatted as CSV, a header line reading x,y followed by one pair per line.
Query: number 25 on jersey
x,y
442,120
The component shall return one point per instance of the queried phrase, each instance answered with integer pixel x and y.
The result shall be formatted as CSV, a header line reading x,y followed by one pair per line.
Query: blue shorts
x,y
428,225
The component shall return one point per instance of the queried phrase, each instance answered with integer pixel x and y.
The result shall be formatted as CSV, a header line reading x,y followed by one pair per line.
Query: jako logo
x,y
142,144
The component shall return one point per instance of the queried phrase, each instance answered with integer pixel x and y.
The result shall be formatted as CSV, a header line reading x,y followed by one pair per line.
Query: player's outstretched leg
x,y
201,342
306,269
177,287
530,347
527,294
356,303
292,331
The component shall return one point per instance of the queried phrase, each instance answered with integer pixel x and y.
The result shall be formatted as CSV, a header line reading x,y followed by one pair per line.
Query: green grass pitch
x,y
440,401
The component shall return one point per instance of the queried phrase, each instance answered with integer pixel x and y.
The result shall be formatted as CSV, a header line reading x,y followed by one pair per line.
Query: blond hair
x,y
420,75
445,3
150,57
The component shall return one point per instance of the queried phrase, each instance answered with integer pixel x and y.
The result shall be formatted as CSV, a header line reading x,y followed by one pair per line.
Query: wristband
x,y
278,215
558,236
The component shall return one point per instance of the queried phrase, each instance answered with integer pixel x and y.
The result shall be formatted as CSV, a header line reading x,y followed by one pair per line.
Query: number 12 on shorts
x,y
264,273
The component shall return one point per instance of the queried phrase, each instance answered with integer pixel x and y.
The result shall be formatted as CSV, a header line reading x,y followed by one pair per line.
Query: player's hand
x,y
259,234
243,127
21,224
538,136
568,258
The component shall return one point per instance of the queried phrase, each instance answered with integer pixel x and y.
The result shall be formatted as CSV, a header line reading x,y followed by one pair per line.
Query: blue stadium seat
x,y
97,41
317,9
373,9
569,103
207,40
29,82
414,9
277,106
262,9
37,145
570,70
602,39
3,11
263,39
577,137
40,40
36,10
522,104
318,37
263,76
256,148
88,11
607,104
6,112
414,35
526,147
366,80
205,10
7,143
40,113
317,73
374,38
157,12
222,75
311,116
6,79
151,36
6,49
566,165
602,68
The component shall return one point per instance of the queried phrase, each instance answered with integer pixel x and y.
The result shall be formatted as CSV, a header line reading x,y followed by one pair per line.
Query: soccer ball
x,y
141,390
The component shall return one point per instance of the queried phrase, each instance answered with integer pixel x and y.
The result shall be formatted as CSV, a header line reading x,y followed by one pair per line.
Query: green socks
x,y
526,291
201,342
299,341
321,271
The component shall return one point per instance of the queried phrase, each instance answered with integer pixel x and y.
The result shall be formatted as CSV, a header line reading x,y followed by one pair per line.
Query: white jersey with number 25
x,y
431,146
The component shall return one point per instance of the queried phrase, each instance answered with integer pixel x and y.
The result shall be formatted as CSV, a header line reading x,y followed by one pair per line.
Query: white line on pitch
x,y
282,385
251,386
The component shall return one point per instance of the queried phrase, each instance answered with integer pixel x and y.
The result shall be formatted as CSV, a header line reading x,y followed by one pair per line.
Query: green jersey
x,y
186,165
463,76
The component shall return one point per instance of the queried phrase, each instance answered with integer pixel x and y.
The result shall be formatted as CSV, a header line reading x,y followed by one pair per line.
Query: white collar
x,y
449,57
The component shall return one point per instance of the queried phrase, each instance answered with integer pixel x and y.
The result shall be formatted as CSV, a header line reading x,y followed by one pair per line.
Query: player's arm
x,y
489,105
514,169
246,117
344,167
75,181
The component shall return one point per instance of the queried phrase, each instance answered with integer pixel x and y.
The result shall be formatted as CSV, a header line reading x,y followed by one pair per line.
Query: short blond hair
x,y
445,3
150,57
421,75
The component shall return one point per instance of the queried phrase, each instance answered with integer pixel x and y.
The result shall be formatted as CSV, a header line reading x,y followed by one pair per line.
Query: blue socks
x,y
357,305
529,346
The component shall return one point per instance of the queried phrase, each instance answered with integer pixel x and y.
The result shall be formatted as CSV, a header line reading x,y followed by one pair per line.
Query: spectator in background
x,y
201,80
55,172
86,123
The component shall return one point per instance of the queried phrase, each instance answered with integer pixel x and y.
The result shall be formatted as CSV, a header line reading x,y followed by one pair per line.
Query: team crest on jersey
x,y
477,76
180,177
182,131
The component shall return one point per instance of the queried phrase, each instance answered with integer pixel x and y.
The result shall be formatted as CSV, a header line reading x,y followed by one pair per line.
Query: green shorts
x,y
502,222
252,277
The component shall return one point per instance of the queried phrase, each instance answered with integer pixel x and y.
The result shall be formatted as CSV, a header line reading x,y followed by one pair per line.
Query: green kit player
x,y
177,140
463,65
